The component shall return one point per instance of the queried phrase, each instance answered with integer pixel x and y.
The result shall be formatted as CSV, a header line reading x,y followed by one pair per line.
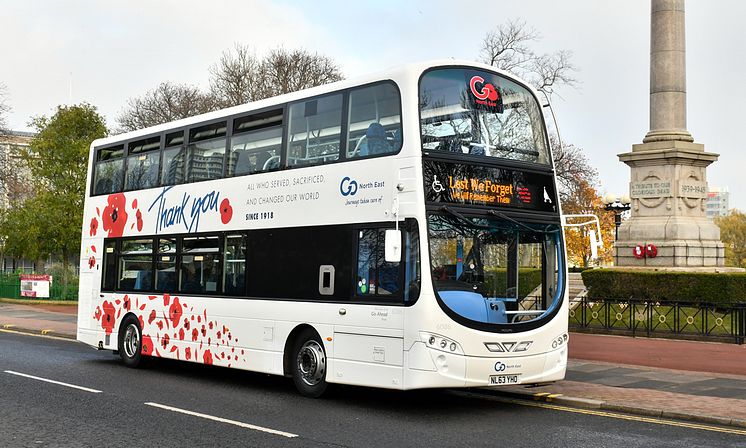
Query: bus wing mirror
x,y
392,246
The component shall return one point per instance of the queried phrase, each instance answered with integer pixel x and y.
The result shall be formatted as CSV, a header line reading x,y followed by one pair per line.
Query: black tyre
x,y
130,342
308,364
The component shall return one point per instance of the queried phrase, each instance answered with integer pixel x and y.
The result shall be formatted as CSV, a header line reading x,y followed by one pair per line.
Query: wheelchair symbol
x,y
436,185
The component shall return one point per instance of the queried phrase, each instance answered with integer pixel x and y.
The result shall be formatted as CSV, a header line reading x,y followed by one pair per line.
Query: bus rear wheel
x,y
308,364
130,342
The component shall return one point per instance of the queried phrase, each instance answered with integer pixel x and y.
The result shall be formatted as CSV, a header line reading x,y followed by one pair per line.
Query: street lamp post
x,y
618,205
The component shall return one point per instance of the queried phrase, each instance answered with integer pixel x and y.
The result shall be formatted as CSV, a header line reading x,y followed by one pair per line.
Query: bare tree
x,y
509,48
572,168
235,77
284,71
167,102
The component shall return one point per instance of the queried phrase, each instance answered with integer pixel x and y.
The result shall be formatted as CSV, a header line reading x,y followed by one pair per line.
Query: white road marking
x,y
224,420
53,381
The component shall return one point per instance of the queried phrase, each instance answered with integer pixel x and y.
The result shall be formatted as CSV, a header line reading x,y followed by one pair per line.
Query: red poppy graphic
x,y
207,357
107,320
138,215
188,353
115,215
175,312
97,314
127,303
226,211
166,299
164,341
91,262
186,324
94,226
146,348
142,324
151,318
181,334
490,91
195,335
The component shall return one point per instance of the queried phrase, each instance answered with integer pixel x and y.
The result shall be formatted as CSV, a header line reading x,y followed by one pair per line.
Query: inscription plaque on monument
x,y
693,189
649,189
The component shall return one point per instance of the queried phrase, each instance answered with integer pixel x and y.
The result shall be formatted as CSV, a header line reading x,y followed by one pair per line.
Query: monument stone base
x,y
668,192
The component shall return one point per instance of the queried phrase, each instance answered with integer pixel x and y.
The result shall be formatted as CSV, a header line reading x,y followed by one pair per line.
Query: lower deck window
x,y
200,264
135,265
302,263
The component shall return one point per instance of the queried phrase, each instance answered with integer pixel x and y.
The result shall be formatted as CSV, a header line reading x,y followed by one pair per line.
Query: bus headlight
x,y
441,343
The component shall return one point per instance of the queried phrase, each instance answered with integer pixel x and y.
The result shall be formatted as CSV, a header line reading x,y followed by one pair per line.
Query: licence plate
x,y
503,379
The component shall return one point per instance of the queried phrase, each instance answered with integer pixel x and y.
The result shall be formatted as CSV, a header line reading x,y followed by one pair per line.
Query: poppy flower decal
x,y
91,262
107,319
93,227
146,347
175,312
115,215
169,329
226,211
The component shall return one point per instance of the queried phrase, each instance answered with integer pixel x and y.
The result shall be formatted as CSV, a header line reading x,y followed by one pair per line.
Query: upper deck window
x,y
142,164
468,111
174,159
374,125
206,152
256,143
109,170
315,130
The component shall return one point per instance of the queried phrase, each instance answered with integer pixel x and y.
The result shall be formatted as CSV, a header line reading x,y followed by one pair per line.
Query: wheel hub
x,y
311,363
131,343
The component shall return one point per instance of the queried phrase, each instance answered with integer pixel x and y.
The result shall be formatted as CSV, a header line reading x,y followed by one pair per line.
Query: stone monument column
x,y
669,179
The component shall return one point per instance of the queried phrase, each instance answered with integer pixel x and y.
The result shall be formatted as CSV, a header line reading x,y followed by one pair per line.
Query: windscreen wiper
x,y
463,218
508,218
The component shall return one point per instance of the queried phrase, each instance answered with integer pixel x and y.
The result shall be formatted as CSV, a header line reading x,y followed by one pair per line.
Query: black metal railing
x,y
635,317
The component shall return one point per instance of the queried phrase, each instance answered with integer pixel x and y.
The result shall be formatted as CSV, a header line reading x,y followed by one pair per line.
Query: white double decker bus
x,y
398,231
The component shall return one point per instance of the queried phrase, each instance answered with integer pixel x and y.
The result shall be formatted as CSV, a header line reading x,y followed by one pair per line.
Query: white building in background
x,y
717,202
15,187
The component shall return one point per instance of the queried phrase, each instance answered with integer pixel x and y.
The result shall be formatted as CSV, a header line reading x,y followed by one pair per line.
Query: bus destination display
x,y
486,186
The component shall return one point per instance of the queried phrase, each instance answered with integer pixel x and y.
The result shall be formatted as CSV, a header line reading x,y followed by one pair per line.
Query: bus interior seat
x,y
166,281
261,159
376,139
243,164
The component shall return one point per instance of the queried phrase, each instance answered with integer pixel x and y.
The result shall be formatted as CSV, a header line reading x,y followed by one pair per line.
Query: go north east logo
x,y
364,192
348,187
485,94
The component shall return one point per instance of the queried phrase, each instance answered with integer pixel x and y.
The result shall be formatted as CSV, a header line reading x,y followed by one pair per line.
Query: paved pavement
x,y
684,380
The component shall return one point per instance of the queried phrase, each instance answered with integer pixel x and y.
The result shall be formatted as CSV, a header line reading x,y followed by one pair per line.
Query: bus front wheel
x,y
308,364
130,342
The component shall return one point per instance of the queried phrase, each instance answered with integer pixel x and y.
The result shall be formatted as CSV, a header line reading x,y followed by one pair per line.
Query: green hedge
x,y
693,287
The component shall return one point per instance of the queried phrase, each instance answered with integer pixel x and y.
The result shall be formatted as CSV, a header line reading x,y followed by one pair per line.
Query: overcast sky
x,y
110,51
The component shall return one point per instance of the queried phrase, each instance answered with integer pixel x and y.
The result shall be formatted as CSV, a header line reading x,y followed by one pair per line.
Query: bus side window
x,y
109,266
109,170
374,125
374,275
234,275
135,265
314,136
